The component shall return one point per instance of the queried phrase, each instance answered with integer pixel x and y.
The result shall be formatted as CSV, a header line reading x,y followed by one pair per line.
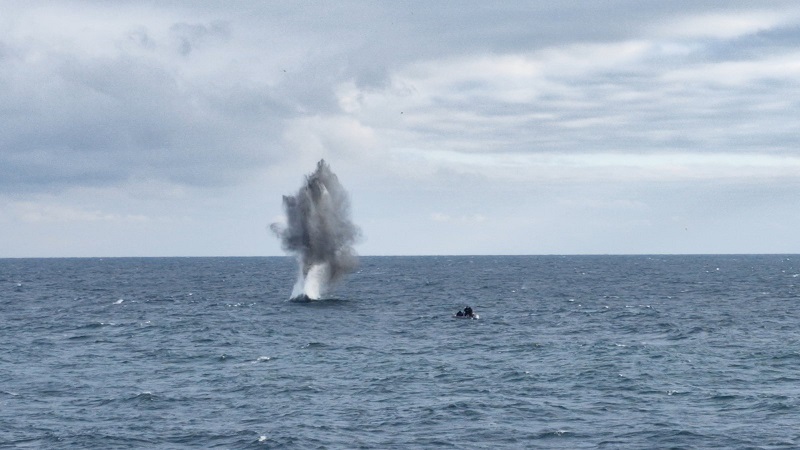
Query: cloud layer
x,y
103,104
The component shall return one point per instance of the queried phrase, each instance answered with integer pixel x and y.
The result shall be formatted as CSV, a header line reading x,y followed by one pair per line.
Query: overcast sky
x,y
543,127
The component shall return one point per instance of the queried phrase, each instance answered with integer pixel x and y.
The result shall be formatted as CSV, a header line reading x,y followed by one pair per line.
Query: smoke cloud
x,y
319,232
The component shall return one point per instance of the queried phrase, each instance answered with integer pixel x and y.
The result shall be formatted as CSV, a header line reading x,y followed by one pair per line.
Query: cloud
x,y
192,35
113,111
34,212
726,25
590,167
578,104
142,106
744,74
207,97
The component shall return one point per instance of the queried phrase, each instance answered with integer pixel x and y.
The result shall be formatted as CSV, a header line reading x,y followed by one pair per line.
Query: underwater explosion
x,y
319,231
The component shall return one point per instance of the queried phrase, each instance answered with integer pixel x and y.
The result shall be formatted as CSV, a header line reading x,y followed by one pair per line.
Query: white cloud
x,y
325,136
603,99
593,166
726,25
778,68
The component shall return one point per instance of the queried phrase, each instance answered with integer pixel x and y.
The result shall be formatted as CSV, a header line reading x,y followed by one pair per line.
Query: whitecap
x,y
119,301
144,395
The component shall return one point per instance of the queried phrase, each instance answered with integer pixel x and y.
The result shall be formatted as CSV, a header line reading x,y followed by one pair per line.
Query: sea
x,y
569,352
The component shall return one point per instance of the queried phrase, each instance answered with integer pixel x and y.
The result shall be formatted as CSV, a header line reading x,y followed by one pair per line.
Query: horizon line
x,y
465,255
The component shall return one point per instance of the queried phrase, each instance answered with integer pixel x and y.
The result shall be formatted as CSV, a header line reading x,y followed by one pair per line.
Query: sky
x,y
174,128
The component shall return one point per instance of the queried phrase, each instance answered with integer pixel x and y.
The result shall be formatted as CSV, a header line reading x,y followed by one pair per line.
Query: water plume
x,y
318,230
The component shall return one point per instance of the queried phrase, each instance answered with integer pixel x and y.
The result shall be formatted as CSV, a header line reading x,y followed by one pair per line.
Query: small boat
x,y
473,316
467,313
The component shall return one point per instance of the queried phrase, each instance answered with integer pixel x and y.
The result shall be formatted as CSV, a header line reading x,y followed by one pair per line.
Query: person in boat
x,y
460,313
468,312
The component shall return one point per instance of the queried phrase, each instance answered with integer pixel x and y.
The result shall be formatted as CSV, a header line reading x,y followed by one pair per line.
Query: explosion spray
x,y
319,231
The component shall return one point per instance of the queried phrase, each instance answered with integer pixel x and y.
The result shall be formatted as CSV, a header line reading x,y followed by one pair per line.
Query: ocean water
x,y
569,352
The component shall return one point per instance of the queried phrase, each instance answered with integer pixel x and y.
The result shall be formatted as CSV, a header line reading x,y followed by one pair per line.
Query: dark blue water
x,y
569,352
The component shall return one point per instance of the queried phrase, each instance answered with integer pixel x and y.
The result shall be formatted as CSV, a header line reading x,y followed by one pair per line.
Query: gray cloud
x,y
197,101
192,35
71,118
112,104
